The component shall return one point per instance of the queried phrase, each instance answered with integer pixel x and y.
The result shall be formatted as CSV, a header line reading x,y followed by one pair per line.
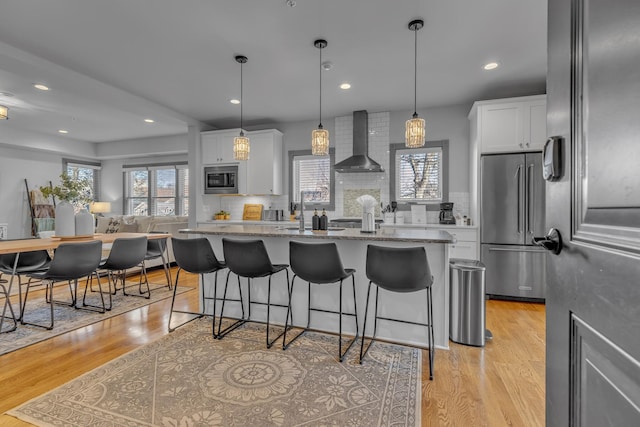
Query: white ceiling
x,y
110,64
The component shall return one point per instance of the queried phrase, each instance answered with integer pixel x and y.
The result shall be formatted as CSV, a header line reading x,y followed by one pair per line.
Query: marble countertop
x,y
295,223
288,229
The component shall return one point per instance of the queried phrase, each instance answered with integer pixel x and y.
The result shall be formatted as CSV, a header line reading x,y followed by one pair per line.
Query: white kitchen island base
x,y
353,248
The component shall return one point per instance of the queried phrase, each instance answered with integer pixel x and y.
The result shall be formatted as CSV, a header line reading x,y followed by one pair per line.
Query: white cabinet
x,y
217,146
466,245
511,125
264,167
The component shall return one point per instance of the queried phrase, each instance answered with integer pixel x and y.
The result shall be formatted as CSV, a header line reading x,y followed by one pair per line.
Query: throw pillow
x,y
114,225
128,228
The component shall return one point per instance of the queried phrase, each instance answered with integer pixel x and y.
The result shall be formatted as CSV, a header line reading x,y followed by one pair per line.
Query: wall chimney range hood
x,y
360,161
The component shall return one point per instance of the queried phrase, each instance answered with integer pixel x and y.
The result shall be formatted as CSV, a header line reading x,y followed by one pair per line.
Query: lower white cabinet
x,y
466,245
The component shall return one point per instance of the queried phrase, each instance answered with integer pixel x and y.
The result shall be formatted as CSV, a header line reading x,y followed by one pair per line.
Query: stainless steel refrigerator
x,y
512,203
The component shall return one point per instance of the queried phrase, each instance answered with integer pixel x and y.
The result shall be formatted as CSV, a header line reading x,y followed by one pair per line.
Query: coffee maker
x,y
446,213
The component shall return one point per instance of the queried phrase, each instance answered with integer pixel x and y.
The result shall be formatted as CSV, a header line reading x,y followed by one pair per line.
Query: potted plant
x,y
74,194
76,191
222,215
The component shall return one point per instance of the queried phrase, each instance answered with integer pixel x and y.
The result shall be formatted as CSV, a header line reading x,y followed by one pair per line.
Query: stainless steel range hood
x,y
360,161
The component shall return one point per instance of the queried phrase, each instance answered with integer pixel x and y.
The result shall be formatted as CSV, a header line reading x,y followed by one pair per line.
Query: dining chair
x,y
70,262
126,253
158,248
27,262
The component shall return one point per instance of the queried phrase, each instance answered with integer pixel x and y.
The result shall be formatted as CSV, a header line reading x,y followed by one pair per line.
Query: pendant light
x,y
4,112
414,133
241,143
320,136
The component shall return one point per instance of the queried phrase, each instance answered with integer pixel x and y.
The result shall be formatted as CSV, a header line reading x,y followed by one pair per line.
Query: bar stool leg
x,y
238,322
363,351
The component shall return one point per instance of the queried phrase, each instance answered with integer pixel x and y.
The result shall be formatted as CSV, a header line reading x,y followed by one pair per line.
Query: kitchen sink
x,y
309,228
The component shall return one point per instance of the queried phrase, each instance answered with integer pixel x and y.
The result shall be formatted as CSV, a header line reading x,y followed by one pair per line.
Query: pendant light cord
x,y
415,73
320,75
241,103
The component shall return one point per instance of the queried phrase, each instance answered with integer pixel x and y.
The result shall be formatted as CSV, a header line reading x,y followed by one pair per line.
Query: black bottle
x,y
324,220
315,220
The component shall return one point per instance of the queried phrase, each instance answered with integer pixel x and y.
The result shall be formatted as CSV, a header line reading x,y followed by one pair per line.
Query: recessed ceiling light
x,y
234,101
345,86
491,66
149,121
63,131
40,86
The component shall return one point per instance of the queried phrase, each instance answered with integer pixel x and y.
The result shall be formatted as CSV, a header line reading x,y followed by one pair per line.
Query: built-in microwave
x,y
221,179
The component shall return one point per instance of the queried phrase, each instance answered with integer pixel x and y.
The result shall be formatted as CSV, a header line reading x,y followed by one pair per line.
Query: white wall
x,y
16,165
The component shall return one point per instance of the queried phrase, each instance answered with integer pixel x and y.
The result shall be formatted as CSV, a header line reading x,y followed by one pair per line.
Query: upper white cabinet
x,y
510,125
264,167
217,146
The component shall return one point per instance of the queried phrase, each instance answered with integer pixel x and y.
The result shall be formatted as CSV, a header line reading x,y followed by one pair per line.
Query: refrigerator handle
x,y
519,183
530,197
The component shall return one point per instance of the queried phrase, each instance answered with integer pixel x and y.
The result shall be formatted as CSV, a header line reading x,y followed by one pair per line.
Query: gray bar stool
x,y
249,259
196,256
320,263
402,270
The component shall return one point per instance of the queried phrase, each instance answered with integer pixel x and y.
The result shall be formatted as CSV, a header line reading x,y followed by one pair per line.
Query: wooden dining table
x,y
19,246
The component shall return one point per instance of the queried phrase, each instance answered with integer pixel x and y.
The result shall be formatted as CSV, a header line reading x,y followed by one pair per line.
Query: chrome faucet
x,y
301,216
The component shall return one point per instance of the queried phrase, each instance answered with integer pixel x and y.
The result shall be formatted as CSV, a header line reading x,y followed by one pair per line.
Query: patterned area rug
x,y
67,318
189,379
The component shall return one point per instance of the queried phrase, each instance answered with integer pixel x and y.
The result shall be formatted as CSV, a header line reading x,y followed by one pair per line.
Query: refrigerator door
x,y
535,198
515,271
502,199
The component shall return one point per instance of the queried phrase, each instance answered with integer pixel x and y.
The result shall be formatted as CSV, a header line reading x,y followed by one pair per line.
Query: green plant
x,y
76,191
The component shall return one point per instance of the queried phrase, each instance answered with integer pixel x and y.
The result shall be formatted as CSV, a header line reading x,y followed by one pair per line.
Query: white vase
x,y
84,223
65,219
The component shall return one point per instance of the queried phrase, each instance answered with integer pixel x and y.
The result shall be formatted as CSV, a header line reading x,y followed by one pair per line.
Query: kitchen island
x,y
352,245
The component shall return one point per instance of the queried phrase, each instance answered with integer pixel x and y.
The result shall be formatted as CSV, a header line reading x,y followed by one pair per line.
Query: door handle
x,y
551,242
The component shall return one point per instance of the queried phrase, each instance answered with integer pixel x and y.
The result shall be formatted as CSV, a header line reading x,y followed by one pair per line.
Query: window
x,y
160,190
314,175
419,174
84,170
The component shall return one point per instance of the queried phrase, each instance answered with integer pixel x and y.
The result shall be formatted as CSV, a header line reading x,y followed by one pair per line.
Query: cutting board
x,y
252,212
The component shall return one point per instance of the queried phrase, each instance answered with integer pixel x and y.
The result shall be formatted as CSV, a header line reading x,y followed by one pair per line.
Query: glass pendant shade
x,y
241,143
320,136
414,132
4,112
320,142
241,147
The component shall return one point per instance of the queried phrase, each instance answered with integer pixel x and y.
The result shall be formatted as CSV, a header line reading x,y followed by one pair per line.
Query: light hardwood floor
x,y
501,384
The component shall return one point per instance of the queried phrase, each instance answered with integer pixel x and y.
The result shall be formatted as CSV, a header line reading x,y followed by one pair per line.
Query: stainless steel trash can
x,y
467,315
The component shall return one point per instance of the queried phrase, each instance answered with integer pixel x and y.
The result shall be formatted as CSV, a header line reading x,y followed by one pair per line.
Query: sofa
x,y
143,224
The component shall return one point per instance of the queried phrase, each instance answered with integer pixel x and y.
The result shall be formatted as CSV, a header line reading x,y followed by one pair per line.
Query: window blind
x,y
419,174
